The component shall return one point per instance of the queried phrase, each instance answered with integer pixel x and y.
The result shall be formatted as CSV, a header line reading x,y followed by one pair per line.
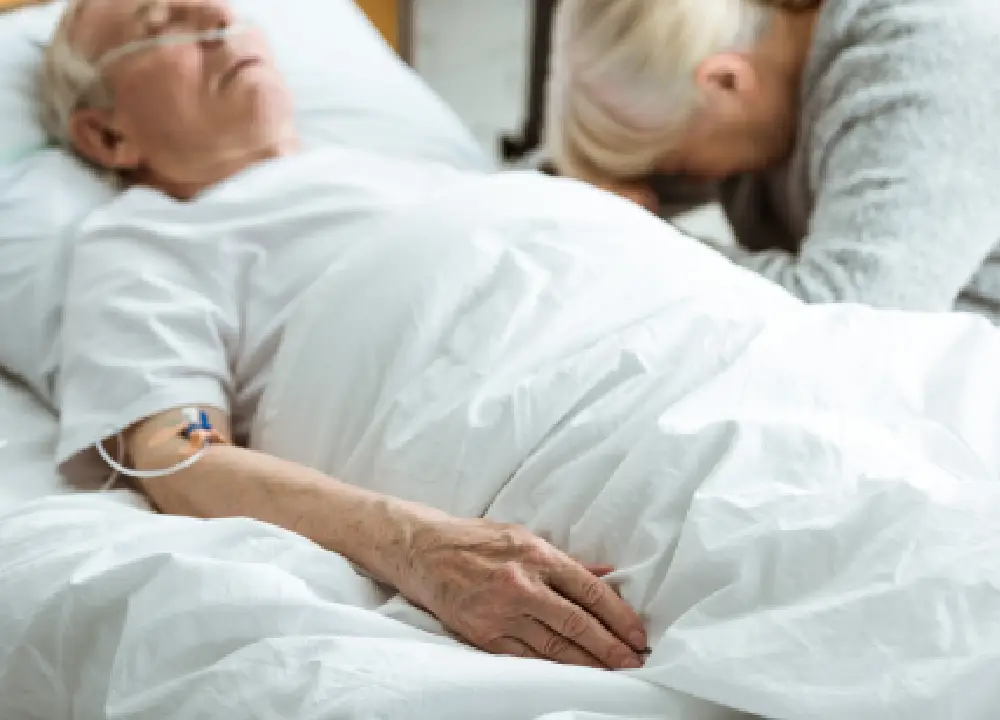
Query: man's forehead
x,y
101,25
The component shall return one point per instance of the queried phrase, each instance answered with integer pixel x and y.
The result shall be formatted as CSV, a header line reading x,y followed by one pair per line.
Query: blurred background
x,y
474,53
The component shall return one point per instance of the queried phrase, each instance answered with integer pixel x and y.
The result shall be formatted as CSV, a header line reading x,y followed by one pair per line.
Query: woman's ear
x,y
726,78
93,135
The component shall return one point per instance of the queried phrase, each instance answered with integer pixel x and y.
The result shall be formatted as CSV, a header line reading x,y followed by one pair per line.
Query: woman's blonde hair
x,y
622,82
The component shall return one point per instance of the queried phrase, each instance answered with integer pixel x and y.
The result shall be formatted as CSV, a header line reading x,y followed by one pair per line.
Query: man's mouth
x,y
236,68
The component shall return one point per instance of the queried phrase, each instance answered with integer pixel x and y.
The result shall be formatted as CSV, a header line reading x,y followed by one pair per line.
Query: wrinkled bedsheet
x,y
802,501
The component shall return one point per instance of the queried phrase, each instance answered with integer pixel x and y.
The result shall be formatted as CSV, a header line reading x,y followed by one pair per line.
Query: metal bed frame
x,y
514,148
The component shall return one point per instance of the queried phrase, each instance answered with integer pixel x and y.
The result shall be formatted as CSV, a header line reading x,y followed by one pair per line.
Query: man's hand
x,y
498,587
511,593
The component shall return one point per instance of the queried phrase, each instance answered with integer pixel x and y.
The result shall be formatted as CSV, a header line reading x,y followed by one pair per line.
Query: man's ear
x,y
726,78
93,135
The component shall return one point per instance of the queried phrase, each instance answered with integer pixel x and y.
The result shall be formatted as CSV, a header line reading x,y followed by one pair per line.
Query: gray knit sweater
x,y
892,195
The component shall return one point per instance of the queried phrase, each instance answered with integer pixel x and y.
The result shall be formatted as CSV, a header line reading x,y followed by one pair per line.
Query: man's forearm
x,y
498,587
371,530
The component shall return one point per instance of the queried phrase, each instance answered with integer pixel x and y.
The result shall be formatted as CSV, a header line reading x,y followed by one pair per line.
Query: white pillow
x,y
349,88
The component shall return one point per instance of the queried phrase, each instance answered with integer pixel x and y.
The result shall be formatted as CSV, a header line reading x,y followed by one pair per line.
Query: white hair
x,y
622,82
68,80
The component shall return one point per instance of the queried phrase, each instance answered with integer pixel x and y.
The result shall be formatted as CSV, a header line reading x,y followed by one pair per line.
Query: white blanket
x,y
111,612
802,501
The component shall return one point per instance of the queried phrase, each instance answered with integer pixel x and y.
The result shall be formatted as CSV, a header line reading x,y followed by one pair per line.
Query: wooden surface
x,y
13,4
389,16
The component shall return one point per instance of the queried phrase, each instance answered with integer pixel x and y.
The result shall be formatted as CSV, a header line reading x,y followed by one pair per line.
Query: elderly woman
x,y
853,143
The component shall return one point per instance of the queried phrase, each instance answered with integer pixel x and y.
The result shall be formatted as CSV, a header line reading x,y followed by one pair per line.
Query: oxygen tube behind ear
x,y
196,421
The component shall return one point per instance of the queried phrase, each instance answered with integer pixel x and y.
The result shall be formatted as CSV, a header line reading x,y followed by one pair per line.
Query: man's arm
x,y
230,481
499,587
147,329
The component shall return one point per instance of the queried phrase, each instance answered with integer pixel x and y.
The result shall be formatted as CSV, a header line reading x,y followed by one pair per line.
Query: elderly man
x,y
181,289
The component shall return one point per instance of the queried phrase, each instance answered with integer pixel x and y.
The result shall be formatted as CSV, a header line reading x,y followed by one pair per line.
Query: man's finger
x,y
512,647
603,571
553,646
579,627
600,570
596,597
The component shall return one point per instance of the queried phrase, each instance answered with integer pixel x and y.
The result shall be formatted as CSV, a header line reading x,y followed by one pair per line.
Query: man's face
x,y
186,111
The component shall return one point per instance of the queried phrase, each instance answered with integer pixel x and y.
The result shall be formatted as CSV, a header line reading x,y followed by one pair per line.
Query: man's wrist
x,y
395,524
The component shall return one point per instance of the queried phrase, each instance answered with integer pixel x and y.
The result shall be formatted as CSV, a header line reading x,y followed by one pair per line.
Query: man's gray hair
x,y
67,80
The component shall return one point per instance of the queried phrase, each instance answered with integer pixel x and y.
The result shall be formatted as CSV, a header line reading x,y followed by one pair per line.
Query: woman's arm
x,y
499,587
904,164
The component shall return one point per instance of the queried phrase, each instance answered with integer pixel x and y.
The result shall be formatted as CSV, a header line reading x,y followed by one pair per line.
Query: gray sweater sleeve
x,y
902,159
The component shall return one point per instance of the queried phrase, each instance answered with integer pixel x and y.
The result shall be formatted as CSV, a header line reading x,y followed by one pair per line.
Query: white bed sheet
x,y
27,442
784,472
96,588
801,500
109,610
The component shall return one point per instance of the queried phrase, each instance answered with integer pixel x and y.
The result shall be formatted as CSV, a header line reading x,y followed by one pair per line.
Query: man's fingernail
x,y
637,639
631,663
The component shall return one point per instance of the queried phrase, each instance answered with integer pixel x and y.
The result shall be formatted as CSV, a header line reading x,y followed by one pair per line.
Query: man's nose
x,y
214,15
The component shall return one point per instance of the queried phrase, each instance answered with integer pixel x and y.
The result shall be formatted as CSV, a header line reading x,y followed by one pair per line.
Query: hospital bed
x,y
797,455
112,607
110,610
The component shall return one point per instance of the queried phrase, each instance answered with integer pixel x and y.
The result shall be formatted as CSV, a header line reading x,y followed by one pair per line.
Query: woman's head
x,y
706,88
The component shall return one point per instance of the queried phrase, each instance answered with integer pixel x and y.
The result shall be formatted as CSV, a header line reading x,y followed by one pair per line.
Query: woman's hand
x,y
508,592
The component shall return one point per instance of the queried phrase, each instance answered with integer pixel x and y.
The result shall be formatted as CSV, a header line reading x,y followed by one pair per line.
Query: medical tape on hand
x,y
185,38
